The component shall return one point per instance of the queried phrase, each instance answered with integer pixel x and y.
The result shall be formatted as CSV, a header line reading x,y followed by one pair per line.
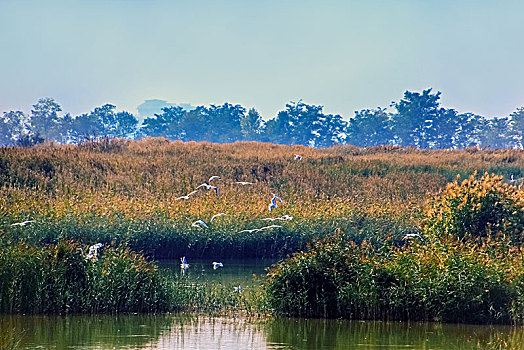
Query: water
x,y
203,332
199,332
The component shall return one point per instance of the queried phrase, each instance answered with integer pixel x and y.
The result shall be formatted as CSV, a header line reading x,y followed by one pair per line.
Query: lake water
x,y
203,332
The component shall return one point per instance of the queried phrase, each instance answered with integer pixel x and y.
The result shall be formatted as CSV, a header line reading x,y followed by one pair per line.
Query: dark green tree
x,y
469,128
45,120
416,117
12,127
496,133
251,126
517,126
166,124
370,127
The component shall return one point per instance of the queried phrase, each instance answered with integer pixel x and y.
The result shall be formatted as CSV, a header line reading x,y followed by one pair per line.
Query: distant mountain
x,y
154,106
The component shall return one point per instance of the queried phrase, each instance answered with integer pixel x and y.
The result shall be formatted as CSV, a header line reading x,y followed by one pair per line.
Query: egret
x,y
93,251
283,218
412,235
186,197
238,289
244,183
216,265
22,223
214,177
216,216
273,203
209,187
199,224
261,228
183,263
298,157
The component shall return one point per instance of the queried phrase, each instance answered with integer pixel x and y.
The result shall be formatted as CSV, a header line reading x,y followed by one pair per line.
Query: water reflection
x,y
199,332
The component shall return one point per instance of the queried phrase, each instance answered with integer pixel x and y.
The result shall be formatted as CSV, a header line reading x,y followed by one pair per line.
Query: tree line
x,y
416,120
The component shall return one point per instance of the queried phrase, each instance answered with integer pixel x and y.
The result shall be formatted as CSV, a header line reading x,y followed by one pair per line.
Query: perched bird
x,y
186,197
216,216
298,157
93,251
183,263
214,177
199,224
216,265
244,183
22,223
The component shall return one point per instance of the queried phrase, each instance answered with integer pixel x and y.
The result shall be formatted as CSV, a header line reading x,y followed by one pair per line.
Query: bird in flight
x,y
214,177
298,157
216,216
216,265
93,251
186,197
412,235
283,218
208,187
199,224
273,203
22,223
244,183
261,228
238,289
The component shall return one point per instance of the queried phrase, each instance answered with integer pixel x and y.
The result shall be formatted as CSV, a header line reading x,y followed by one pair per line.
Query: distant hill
x,y
151,107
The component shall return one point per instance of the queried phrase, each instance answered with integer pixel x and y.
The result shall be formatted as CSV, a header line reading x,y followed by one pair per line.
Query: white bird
x,y
283,218
216,265
261,228
298,157
216,216
244,183
412,235
186,197
209,187
93,251
199,224
238,289
273,203
183,263
214,177
22,223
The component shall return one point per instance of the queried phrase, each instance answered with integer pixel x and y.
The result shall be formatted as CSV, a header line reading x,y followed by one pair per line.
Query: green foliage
x,y
485,207
453,282
59,279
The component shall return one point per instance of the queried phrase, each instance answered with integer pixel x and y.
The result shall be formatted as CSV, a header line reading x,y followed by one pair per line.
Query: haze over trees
x,y
416,120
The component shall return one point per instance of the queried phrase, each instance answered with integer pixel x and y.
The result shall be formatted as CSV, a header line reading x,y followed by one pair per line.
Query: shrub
x,y
485,207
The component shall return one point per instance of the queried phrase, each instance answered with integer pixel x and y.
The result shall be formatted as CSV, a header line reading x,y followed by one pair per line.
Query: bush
x,y
59,279
485,207
452,282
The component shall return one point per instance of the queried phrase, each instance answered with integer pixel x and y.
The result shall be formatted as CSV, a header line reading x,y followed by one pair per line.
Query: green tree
x,y
370,127
517,125
417,114
45,120
165,124
251,126
497,133
12,125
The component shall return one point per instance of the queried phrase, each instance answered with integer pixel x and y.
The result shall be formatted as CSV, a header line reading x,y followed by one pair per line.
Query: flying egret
x,y
216,265
283,218
183,264
93,251
298,157
209,187
216,216
412,235
186,197
214,177
244,183
22,223
273,203
260,229
251,230
238,289
199,224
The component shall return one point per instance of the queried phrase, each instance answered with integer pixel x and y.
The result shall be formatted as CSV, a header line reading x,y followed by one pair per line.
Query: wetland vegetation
x,y
377,233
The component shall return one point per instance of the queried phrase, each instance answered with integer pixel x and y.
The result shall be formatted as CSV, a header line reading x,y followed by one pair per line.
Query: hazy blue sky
x,y
345,55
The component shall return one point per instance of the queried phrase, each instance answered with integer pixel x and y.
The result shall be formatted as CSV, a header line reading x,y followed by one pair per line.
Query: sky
x,y
344,55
